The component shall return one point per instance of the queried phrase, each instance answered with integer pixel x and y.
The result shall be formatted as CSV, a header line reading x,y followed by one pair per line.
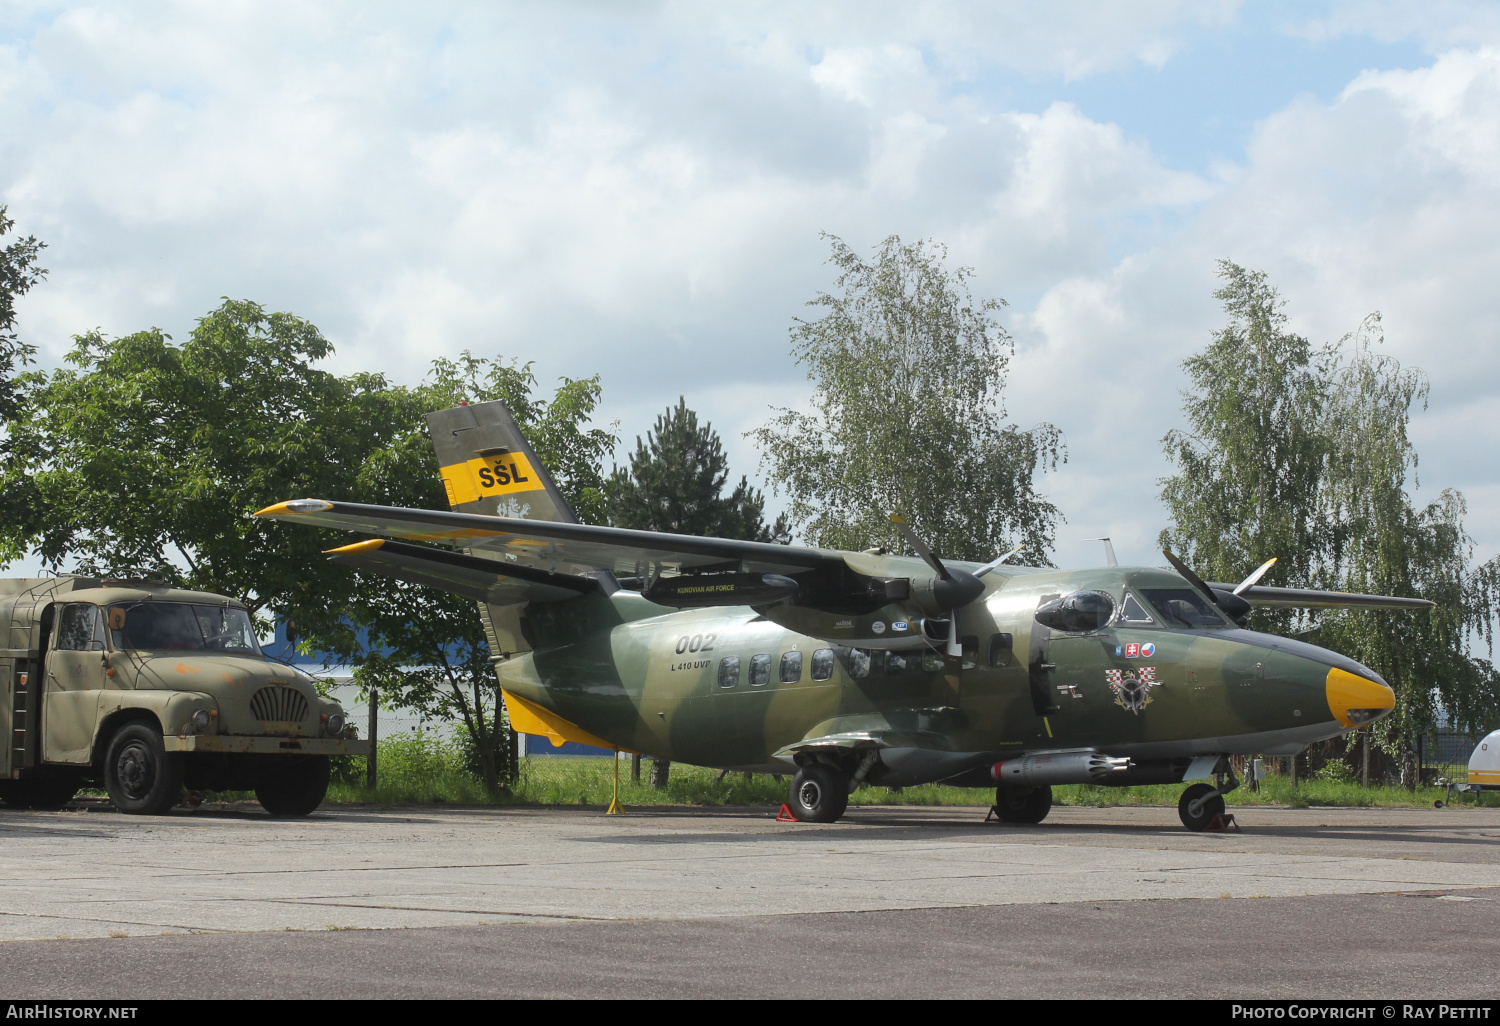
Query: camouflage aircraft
x,y
855,668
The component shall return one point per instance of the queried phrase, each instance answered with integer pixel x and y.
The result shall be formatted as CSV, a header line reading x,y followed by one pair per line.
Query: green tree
x,y
675,482
1304,454
18,273
1250,468
909,372
146,458
1382,542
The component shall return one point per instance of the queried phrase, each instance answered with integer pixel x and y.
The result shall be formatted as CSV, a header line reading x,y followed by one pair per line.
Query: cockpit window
x,y
1183,607
182,626
1132,611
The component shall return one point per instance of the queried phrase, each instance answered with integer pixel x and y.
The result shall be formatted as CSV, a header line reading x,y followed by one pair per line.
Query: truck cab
x,y
151,690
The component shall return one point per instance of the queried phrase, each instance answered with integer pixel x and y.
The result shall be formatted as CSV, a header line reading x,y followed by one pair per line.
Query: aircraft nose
x,y
1356,701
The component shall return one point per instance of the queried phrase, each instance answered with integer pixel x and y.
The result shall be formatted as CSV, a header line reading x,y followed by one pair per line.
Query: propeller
x,y
1260,572
1230,602
951,588
992,564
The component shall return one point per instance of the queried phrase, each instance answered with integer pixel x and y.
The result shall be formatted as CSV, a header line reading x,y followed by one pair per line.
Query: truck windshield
x,y
180,625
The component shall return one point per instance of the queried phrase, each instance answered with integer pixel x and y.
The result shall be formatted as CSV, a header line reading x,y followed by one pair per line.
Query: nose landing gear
x,y
1200,805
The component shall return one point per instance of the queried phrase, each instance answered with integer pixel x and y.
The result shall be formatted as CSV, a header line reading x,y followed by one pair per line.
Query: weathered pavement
x,y
693,901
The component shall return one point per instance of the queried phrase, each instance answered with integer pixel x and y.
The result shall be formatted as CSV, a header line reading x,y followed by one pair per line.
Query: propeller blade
x,y
1187,572
955,640
921,547
1259,573
994,563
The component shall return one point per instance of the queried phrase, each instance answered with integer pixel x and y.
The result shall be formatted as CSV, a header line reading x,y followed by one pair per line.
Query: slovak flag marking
x,y
1132,650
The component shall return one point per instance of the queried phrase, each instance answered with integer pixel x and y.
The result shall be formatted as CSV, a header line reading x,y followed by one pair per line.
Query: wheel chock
x,y
993,816
785,815
1223,823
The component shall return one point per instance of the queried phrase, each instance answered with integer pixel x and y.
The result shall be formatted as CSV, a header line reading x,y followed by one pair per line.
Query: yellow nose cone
x,y
1356,701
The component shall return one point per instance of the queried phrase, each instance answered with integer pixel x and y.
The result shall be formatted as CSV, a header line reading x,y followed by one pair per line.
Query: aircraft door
x,y
74,680
1040,666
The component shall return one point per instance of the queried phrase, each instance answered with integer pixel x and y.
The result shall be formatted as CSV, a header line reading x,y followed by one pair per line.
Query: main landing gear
x,y
820,793
1016,803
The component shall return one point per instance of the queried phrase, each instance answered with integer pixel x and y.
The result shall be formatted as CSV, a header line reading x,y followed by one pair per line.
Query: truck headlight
x,y
201,720
335,724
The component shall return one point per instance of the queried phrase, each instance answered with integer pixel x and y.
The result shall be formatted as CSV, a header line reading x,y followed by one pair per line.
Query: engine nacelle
x,y
1061,768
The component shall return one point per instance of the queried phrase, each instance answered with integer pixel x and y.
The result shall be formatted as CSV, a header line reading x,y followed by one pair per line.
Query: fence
x,y
1445,754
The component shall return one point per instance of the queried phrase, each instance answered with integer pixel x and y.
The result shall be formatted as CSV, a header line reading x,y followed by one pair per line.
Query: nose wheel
x,y
1199,806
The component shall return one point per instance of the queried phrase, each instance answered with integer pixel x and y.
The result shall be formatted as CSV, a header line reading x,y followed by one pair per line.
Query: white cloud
x,y
637,191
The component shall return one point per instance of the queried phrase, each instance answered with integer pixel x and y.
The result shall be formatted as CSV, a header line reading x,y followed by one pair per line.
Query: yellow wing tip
x,y
357,548
294,506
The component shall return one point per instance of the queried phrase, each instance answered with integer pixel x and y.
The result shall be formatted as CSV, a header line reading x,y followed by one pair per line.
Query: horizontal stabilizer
x,y
1312,598
483,580
530,718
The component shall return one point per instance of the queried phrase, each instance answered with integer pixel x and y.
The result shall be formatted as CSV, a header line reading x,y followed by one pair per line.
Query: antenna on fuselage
x,y
1109,551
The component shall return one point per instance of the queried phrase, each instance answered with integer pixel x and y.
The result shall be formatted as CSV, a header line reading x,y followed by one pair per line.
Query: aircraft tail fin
x,y
489,467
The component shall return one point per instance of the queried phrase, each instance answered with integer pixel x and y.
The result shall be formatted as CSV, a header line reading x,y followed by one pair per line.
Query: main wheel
x,y
46,795
820,794
1017,804
1207,810
297,788
141,776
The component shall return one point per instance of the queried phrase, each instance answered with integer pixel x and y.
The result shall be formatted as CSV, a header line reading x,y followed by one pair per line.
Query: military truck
x,y
152,691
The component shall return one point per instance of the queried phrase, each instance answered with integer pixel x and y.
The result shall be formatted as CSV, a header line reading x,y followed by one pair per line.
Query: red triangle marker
x,y
785,815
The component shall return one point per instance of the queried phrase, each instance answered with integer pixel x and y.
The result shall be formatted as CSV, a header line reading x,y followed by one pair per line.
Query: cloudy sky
x,y
636,190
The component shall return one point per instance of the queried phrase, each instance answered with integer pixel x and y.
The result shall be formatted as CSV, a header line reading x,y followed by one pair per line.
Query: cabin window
x,y
895,664
791,667
859,663
931,662
1000,645
729,671
1133,612
79,629
822,664
760,670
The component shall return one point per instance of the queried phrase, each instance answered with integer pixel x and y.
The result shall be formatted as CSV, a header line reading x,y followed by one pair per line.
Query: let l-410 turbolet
x,y
854,667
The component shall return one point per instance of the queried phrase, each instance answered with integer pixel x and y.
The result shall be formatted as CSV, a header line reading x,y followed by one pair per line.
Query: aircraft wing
x,y
1311,598
548,546
483,580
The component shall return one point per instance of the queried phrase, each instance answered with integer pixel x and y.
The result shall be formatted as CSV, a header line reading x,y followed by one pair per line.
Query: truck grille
x,y
277,703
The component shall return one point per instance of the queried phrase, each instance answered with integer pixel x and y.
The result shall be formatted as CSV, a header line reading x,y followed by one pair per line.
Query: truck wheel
x,y
820,794
295,790
142,777
1017,804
